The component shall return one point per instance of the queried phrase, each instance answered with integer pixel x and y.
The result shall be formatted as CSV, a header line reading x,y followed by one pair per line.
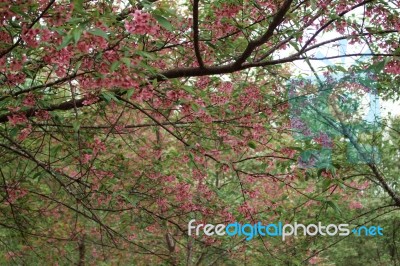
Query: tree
x,y
123,120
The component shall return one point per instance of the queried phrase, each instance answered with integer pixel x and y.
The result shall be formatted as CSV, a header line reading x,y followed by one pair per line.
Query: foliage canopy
x,y
120,121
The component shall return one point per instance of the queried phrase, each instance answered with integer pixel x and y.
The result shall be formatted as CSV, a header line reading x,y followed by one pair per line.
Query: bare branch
x,y
196,33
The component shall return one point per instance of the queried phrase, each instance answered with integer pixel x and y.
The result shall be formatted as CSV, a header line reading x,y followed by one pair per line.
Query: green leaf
x,y
341,68
78,65
132,200
108,96
251,144
78,6
195,107
126,61
378,67
76,125
326,183
99,32
67,39
334,206
295,148
115,65
336,165
37,175
320,172
145,54
211,45
130,93
76,34
189,89
164,22
144,3
149,68
17,9
14,132
55,150
295,45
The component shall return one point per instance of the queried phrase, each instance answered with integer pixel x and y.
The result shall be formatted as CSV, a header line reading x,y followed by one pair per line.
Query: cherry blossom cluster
x,y
141,23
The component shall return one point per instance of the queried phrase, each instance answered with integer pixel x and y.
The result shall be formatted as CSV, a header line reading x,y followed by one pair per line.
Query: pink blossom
x,y
30,37
355,205
83,46
17,119
16,65
393,67
90,99
147,93
218,99
98,146
172,95
141,24
14,192
228,10
314,260
46,35
203,82
169,178
162,204
86,158
14,79
25,133
29,100
226,88
43,115
183,192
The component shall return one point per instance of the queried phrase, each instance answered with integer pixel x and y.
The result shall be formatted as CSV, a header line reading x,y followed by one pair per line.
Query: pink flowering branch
x,y
28,28
323,27
184,72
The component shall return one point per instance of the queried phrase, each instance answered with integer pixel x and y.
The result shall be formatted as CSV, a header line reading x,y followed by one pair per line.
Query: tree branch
x,y
278,18
196,33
